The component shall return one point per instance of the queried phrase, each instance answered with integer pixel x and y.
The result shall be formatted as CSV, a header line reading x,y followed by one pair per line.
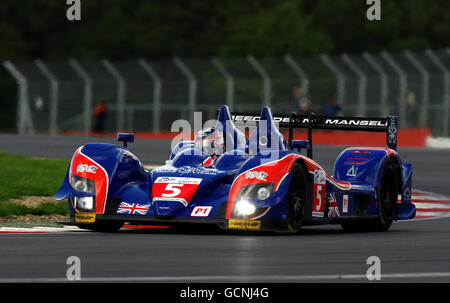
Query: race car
x,y
260,183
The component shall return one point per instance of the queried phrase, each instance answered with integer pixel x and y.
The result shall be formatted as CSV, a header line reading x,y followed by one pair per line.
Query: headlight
x,y
82,184
260,191
245,208
263,193
84,203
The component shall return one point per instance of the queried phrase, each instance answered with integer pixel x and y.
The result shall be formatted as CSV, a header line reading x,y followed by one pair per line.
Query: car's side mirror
x,y
125,138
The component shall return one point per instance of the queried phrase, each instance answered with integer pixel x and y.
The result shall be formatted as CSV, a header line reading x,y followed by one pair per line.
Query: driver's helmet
x,y
210,141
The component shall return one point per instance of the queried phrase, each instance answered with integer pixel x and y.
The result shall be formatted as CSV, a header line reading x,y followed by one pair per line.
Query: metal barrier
x,y
147,95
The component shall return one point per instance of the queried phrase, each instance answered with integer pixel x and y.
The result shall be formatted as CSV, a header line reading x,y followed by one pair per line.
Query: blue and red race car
x,y
263,182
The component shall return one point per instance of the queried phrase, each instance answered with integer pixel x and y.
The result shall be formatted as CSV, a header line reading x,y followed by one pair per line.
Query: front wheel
x,y
298,195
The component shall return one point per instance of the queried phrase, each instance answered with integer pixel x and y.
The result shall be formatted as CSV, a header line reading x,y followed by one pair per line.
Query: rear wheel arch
x,y
387,200
398,168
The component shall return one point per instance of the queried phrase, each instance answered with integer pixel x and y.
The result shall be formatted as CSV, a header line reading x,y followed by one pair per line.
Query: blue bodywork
x,y
355,180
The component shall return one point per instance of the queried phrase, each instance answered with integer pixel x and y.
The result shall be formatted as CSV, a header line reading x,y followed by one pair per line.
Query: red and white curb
x,y
430,205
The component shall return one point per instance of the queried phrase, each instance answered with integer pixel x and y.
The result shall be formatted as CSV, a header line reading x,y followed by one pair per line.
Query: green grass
x,y
45,208
23,176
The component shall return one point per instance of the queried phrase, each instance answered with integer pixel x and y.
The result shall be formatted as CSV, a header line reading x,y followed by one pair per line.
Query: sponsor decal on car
x,y
175,189
178,180
196,170
361,152
392,131
339,121
333,209
305,121
81,168
186,170
258,175
244,224
201,211
319,190
85,218
345,204
133,208
352,171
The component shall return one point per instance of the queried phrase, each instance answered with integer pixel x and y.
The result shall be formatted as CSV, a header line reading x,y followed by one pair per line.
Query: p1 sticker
x,y
201,211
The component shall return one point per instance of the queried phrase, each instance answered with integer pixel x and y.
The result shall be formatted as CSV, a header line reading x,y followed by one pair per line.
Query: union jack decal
x,y
333,209
133,208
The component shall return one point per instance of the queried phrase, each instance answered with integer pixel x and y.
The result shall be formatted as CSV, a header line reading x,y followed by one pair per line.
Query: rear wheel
x,y
388,195
297,198
387,202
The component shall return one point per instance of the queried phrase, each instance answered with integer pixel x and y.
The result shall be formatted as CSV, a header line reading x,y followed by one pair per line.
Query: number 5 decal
x,y
318,198
174,190
319,193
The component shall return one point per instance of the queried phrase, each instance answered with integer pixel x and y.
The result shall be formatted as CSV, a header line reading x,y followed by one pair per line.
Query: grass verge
x,y
46,208
23,176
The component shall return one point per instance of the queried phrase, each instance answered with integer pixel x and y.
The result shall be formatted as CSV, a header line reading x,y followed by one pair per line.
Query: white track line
x,y
435,215
40,229
259,278
425,205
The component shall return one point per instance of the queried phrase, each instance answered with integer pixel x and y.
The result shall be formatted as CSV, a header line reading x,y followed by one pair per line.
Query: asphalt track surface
x,y
412,251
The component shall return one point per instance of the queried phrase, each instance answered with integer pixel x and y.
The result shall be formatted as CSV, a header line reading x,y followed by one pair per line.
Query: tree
x,y
275,31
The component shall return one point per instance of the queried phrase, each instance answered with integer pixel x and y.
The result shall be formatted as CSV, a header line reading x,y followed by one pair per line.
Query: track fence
x,y
144,95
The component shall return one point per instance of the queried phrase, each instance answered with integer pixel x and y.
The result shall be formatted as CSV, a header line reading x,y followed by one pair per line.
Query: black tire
x,y
103,226
387,197
297,199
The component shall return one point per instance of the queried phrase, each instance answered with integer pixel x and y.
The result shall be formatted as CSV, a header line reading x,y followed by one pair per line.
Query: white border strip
x,y
236,278
438,142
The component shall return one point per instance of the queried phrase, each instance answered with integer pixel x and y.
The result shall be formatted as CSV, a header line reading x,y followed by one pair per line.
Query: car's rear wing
x,y
292,121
